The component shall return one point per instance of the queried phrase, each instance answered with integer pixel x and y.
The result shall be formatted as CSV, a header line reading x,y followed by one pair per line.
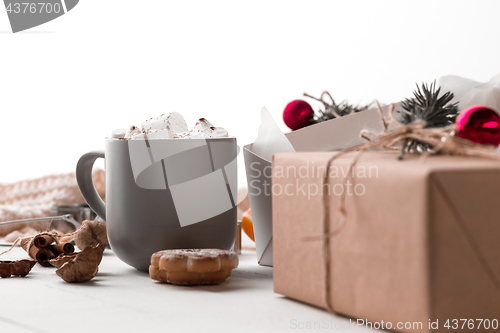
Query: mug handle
x,y
85,183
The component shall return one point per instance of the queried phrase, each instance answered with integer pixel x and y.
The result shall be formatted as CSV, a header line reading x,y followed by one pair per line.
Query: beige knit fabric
x,y
34,198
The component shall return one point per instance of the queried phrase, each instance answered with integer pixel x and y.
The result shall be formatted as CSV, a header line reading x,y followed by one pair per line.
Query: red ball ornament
x,y
298,114
479,124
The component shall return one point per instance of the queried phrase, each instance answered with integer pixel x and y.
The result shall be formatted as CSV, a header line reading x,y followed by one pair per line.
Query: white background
x,y
65,85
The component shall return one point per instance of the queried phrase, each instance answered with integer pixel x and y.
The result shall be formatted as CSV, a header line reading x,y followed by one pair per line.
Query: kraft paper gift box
x,y
420,242
330,135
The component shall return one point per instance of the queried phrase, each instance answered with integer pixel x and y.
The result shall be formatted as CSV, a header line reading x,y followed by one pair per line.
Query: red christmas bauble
x,y
297,114
479,124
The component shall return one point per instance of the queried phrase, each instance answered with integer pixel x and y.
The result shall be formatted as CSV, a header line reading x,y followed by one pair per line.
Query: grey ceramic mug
x,y
164,194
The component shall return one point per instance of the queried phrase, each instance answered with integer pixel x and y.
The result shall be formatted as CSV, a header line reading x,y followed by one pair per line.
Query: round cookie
x,y
189,278
192,266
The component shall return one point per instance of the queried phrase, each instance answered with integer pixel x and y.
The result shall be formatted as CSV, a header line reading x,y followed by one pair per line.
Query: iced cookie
x,y
192,266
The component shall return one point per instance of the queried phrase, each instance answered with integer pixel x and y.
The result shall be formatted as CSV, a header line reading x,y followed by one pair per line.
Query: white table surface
x,y
122,299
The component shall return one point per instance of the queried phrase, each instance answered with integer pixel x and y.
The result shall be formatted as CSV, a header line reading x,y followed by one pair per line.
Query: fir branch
x,y
333,110
430,106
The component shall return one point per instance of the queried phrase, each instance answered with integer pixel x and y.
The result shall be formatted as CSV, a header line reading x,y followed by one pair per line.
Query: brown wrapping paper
x,y
421,239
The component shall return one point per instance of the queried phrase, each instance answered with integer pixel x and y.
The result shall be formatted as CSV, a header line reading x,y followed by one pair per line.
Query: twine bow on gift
x,y
440,140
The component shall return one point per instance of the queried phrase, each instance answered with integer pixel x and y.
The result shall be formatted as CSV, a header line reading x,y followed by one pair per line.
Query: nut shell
x,y
57,262
91,233
16,268
83,267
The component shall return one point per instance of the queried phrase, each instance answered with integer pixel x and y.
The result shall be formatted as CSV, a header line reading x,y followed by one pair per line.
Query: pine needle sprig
x,y
342,109
333,110
430,106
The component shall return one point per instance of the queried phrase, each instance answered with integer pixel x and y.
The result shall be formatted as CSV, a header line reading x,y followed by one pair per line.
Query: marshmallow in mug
x,y
203,129
171,125
122,133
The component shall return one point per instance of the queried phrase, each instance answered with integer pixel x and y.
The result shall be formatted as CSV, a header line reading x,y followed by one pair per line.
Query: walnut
x,y
91,233
83,266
